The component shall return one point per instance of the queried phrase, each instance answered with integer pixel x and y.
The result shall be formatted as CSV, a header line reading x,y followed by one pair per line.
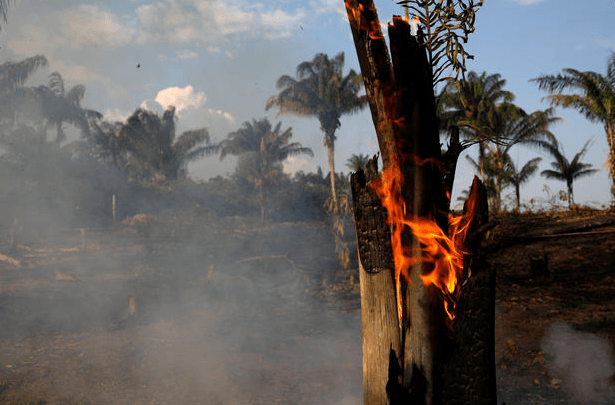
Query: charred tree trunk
x,y
379,324
467,363
412,361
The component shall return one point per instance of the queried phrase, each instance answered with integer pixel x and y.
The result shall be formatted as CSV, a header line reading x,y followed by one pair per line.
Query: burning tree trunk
x,y
412,260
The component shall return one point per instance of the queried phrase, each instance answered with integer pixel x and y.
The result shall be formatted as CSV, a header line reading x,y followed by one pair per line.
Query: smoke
x,y
241,328
224,315
583,361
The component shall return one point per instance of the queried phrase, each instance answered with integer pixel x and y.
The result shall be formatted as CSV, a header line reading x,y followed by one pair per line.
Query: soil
x,y
248,312
579,291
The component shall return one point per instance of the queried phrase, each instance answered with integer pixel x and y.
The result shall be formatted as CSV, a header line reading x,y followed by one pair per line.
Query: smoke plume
x,y
583,361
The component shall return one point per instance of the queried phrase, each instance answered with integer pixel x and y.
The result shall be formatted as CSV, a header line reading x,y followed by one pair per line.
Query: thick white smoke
x,y
583,361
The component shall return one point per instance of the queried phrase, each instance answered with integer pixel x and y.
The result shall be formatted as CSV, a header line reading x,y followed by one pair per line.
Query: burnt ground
x,y
192,308
576,301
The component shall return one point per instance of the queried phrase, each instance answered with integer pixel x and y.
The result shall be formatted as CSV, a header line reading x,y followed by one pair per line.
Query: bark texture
x,y
380,330
417,360
467,363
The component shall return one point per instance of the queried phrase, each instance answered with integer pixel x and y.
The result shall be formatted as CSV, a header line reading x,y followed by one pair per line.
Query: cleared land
x,y
193,308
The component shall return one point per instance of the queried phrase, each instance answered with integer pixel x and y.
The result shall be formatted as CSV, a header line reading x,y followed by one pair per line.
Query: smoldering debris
x,y
582,361
226,316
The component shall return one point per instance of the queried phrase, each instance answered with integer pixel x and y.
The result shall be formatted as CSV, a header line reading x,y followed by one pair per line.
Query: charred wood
x,y
414,359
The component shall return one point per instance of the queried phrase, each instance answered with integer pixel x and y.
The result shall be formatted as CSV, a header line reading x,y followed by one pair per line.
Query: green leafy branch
x,y
446,23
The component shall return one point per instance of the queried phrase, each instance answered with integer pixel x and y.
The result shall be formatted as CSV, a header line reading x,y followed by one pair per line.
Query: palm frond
x,y
189,139
295,148
76,94
552,174
580,154
285,81
14,74
585,173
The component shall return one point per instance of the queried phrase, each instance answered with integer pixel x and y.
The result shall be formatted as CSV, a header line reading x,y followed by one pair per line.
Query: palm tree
x,y
13,75
471,104
568,171
485,114
261,149
60,106
106,143
517,178
154,152
356,162
510,125
321,90
595,99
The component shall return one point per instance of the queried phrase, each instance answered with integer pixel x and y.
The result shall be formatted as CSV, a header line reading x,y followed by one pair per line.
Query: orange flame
x,y
373,30
442,252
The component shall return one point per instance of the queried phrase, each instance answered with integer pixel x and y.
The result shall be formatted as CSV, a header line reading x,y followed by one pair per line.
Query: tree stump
x,y
539,267
415,359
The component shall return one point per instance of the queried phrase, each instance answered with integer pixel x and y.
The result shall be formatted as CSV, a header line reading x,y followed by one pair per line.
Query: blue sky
x,y
218,62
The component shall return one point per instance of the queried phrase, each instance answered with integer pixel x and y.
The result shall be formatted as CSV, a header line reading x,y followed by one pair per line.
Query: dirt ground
x,y
579,291
146,318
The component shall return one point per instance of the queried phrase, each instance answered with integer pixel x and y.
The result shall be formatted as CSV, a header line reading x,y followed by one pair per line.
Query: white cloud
x,y
169,21
326,6
229,18
115,115
280,24
88,24
212,21
181,98
33,41
186,54
77,28
229,54
209,22
189,106
224,114
153,106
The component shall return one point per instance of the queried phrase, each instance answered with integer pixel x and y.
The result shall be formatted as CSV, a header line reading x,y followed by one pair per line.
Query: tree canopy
x,y
568,171
595,99
152,150
320,89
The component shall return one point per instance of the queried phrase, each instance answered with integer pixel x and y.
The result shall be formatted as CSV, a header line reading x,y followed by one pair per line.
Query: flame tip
x,y
443,252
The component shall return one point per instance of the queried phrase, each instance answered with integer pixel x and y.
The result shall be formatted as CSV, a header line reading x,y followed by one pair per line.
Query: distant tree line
x,y
487,116
144,157
142,160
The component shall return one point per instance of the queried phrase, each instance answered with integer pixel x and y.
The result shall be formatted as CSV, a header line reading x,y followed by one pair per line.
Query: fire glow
x,y
374,30
442,254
